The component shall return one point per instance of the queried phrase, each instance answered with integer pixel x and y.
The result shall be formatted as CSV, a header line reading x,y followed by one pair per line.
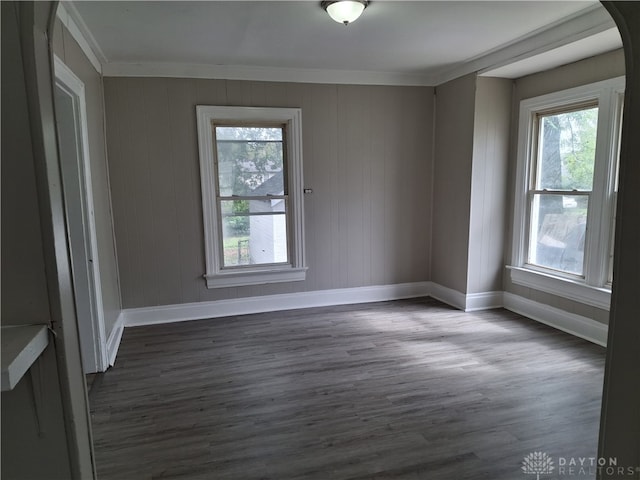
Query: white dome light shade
x,y
344,11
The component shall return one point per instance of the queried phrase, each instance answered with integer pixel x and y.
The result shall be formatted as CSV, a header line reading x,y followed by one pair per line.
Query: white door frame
x,y
93,342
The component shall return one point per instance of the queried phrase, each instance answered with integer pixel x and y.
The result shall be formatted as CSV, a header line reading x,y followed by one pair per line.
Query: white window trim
x,y
591,289
215,275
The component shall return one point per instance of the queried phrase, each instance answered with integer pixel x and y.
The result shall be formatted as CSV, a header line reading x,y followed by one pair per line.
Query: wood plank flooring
x,y
409,389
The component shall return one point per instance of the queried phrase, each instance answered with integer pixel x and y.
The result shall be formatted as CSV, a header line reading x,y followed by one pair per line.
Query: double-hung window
x,y
251,176
565,194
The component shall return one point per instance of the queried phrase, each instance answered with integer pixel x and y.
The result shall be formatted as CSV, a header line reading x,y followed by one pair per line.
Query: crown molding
x,y
70,18
563,32
269,74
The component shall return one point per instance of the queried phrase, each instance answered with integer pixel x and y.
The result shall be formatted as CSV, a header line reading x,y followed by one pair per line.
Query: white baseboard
x,y
113,343
272,303
469,302
483,301
577,325
449,296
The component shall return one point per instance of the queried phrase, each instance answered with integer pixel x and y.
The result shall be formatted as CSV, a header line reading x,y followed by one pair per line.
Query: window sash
x,y
220,199
249,124
532,229
287,219
538,117
535,194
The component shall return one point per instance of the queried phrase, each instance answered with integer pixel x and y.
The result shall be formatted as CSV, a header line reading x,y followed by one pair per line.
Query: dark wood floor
x,y
398,390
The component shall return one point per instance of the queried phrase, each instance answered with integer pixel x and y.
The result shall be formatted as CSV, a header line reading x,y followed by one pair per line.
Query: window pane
x,y
566,150
558,224
250,161
254,232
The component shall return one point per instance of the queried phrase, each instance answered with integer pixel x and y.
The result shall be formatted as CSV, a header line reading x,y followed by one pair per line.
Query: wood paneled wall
x,y
455,107
470,170
488,204
367,157
65,47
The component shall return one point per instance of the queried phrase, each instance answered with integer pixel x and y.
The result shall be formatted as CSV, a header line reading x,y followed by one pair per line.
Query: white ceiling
x,y
423,42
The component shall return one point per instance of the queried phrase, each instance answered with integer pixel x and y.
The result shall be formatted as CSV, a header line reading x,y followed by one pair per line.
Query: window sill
x,y
563,287
255,277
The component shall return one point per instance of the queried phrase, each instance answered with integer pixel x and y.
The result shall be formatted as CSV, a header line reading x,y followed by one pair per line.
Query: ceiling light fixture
x,y
344,11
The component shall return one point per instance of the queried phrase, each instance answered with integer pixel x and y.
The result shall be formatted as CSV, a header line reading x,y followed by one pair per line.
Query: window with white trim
x,y
568,146
251,178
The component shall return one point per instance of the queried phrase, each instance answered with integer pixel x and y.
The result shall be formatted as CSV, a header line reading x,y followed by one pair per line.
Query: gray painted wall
x,y
601,67
24,287
70,53
25,453
367,156
489,184
455,106
470,175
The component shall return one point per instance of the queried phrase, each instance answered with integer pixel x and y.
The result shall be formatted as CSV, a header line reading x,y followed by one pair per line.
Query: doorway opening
x,y
71,123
